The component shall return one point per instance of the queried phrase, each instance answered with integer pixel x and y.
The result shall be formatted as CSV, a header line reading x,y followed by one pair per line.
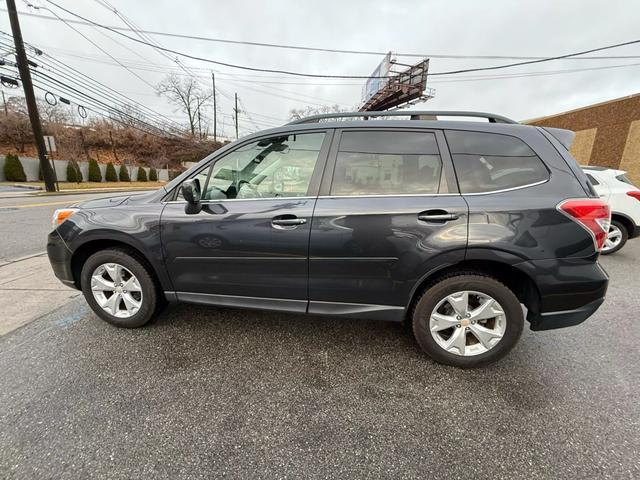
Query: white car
x,y
624,199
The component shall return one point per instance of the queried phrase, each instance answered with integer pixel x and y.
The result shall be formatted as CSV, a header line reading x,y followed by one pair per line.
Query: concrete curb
x,y
4,263
25,187
76,192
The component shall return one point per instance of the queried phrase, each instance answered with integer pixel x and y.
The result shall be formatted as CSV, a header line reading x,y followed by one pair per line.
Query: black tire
x,y
470,282
152,298
625,237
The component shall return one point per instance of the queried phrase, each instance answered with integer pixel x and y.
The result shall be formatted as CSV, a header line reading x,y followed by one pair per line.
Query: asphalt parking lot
x,y
207,392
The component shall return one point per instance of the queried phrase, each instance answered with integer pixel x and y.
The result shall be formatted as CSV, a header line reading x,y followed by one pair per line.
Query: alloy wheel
x,y
614,237
467,323
117,290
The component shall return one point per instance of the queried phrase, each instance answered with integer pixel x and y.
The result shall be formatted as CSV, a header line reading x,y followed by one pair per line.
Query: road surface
x,y
208,393
25,222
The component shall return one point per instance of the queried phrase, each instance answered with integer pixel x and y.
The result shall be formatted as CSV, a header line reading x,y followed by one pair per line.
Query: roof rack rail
x,y
414,114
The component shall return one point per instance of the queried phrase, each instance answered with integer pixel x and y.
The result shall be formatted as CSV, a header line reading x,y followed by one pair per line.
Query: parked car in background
x,y
623,198
451,226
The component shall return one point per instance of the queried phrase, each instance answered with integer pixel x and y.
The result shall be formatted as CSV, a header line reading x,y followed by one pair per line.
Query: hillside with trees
x,y
105,140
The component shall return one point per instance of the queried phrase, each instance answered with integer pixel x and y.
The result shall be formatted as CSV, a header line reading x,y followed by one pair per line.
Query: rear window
x,y
623,178
592,179
487,162
387,163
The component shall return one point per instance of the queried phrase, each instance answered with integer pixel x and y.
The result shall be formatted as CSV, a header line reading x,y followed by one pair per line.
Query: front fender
x,y
137,226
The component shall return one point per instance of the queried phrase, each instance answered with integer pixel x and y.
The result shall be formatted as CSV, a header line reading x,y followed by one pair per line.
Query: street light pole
x,y
27,85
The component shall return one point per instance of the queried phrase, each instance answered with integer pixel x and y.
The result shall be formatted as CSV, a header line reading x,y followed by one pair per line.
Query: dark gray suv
x,y
458,227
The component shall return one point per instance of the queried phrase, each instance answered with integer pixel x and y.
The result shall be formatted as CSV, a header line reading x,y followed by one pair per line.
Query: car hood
x,y
118,200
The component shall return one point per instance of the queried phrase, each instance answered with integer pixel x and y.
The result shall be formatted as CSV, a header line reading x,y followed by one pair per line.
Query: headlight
x,y
61,214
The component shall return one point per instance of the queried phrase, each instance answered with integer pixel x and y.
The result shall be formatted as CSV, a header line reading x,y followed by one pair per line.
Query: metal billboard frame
x,y
399,90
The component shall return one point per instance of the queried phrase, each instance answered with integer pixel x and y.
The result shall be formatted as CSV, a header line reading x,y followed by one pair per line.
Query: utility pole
x,y
236,110
199,121
4,102
25,76
215,132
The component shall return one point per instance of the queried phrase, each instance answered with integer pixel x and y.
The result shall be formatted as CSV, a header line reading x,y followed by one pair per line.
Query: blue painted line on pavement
x,y
71,319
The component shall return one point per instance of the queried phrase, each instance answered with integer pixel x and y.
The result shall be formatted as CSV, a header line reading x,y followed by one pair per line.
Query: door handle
x,y
290,221
437,217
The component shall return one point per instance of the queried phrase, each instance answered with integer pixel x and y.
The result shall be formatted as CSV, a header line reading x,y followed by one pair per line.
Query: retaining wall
x,y
31,168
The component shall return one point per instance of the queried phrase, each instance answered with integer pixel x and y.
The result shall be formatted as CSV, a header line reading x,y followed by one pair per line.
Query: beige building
x,y
607,134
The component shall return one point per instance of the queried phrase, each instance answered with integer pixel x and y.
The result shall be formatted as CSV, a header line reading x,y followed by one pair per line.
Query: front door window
x,y
275,167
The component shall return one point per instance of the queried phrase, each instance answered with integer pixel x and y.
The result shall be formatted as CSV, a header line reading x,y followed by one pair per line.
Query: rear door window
x,y
387,163
489,162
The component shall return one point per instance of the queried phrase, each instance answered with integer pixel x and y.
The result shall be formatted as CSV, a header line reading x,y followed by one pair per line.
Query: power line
x,y
313,75
318,49
154,44
101,49
74,72
133,28
530,74
76,93
92,105
147,67
456,80
82,80
96,102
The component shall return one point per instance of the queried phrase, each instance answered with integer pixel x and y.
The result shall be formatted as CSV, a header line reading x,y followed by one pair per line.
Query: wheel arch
x,y
86,249
515,279
624,220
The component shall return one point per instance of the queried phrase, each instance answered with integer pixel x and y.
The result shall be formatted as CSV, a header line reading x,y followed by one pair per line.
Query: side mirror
x,y
192,194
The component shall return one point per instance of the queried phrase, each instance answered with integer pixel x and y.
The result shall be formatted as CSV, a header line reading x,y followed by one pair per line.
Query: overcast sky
x,y
449,27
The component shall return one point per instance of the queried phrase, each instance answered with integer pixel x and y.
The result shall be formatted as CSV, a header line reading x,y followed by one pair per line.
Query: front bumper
x,y
60,259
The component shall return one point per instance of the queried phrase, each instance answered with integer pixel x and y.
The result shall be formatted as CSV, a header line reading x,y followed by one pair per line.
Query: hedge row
x,y
14,172
73,173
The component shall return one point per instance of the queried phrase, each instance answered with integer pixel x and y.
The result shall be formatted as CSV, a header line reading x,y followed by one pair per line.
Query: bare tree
x,y
129,116
297,114
190,99
53,113
16,129
17,105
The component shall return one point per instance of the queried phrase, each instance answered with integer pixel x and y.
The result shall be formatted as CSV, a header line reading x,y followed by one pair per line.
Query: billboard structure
x,y
387,89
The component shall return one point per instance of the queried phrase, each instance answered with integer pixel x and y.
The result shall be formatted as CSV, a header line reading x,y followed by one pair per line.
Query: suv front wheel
x,y
467,320
119,288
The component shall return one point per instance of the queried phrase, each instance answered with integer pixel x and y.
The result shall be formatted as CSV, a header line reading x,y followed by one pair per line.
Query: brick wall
x,y
607,134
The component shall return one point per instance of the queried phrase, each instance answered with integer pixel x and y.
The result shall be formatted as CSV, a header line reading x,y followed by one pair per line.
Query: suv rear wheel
x,y
120,288
467,320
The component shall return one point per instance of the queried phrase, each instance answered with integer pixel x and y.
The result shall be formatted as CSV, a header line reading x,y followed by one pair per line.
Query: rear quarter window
x,y
488,162
624,179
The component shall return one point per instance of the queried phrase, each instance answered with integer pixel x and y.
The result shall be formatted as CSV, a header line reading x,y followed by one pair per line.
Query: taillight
x,y
635,194
592,214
